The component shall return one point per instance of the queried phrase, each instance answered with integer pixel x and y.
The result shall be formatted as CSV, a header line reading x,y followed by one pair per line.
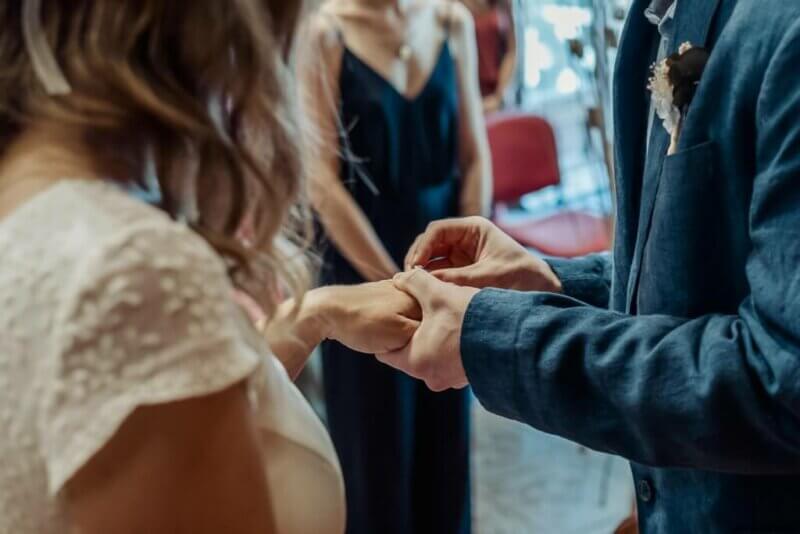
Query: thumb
x,y
418,283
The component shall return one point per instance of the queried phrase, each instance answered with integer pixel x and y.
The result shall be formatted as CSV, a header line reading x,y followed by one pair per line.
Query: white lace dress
x,y
107,305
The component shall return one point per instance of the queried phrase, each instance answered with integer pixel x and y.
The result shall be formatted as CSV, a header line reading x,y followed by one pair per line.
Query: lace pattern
x,y
108,305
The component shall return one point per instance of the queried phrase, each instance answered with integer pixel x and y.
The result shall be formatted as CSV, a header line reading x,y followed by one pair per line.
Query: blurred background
x,y
525,481
550,132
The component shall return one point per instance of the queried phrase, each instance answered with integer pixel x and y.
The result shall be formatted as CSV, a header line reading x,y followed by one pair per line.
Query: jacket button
x,y
645,490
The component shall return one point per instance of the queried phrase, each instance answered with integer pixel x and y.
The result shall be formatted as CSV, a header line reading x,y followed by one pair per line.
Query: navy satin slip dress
x,y
404,449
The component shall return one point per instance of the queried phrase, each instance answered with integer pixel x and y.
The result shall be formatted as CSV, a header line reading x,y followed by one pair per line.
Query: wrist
x,y
539,276
552,279
322,310
294,331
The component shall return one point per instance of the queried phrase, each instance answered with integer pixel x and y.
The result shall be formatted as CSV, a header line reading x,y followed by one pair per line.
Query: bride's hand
x,y
373,318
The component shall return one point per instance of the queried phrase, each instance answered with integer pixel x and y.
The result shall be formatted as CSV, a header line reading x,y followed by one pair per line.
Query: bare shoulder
x,y
321,29
458,20
457,17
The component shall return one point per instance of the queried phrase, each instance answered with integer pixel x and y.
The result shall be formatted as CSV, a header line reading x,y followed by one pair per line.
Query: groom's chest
x,y
682,237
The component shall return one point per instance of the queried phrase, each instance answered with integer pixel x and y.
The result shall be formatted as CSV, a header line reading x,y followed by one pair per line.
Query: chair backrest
x,y
524,155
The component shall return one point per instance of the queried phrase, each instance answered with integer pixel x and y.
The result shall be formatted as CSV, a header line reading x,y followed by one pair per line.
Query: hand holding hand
x,y
434,352
473,252
373,318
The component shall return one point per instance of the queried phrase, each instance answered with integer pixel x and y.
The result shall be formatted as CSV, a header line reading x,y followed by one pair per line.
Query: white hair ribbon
x,y
42,58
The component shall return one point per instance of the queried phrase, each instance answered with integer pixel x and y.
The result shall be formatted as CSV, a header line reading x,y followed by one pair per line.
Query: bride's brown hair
x,y
194,94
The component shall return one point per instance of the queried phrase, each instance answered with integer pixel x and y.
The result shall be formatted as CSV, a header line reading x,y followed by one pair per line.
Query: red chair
x,y
525,160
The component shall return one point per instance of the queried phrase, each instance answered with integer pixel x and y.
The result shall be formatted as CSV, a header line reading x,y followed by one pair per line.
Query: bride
x,y
134,396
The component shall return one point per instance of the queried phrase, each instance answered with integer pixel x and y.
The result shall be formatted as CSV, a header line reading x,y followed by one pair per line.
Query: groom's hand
x,y
473,252
434,352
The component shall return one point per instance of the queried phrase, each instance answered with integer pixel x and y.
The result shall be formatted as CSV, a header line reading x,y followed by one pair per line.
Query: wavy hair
x,y
196,95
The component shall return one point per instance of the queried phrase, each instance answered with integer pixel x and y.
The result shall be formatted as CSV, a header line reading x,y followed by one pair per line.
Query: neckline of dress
x,y
19,211
444,50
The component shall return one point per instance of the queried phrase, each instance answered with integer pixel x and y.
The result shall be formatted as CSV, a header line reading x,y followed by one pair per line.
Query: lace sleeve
x,y
149,320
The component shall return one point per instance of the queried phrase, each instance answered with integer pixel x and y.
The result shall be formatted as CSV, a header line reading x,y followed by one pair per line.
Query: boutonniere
x,y
673,84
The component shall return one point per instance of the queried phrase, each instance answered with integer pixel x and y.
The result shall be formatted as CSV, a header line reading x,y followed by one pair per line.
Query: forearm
x,y
587,279
344,221
508,64
713,393
476,195
506,73
474,154
354,237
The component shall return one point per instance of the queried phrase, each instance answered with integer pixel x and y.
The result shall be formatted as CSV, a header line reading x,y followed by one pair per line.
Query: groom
x,y
682,352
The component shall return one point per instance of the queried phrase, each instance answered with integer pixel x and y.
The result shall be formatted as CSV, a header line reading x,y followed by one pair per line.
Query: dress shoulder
x,y
147,317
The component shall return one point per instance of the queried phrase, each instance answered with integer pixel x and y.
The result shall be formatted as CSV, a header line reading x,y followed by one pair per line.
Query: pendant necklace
x,y
404,52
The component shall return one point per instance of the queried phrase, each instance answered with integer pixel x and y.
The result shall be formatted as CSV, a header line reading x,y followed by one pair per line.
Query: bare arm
x,y
293,332
319,63
184,467
475,161
508,66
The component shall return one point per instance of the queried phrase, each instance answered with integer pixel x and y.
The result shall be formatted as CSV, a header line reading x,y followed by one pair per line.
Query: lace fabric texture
x,y
108,305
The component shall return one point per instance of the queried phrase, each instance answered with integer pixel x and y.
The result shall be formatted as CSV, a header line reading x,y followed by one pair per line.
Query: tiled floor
x,y
527,482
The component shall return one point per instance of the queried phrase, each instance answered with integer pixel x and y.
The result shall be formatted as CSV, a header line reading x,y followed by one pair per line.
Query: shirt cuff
x,y
586,279
488,347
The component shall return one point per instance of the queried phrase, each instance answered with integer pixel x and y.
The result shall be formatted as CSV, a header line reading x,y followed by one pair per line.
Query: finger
x,y
438,387
454,259
438,240
398,303
423,251
471,276
398,359
420,284
413,250
439,264
401,335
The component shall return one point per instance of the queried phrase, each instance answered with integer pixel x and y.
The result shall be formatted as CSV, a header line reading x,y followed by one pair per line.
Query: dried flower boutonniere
x,y
673,85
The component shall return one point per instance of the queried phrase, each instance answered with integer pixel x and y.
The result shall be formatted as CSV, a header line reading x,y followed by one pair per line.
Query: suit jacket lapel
x,y
693,20
631,101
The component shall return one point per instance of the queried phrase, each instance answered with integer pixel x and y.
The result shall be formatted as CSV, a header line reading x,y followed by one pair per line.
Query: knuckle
x,y
420,367
408,329
436,384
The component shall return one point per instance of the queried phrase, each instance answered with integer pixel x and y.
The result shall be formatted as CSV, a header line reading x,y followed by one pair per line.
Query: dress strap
x,y
335,25
448,18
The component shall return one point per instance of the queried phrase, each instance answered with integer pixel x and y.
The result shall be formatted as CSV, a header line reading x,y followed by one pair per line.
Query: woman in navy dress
x,y
392,90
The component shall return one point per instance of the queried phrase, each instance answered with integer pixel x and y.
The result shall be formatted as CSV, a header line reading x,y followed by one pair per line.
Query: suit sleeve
x,y
587,279
717,392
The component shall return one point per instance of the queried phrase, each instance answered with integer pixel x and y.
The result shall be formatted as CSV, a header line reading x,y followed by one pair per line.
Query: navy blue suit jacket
x,y
683,353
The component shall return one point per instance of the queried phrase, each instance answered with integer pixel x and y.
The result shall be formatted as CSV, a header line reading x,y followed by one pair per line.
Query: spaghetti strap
x,y
448,19
335,25
339,31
